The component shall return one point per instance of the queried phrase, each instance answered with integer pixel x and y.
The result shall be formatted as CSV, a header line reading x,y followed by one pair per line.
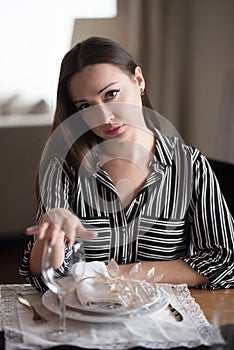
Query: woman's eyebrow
x,y
100,91
79,101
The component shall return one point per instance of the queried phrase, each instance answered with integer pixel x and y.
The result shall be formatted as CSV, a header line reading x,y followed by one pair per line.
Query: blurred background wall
x,y
186,50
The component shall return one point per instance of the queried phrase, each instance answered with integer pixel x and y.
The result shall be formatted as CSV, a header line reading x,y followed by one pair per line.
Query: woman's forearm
x,y
174,271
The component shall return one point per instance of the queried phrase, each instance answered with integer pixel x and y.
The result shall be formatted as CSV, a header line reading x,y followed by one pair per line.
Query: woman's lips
x,y
116,130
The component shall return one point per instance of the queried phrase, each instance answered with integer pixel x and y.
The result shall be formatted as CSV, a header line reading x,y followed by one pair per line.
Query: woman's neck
x,y
137,149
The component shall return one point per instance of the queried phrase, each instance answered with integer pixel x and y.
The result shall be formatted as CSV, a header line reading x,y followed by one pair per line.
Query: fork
x,y
37,318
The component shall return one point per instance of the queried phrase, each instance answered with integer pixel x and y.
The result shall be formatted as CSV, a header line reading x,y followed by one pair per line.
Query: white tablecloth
x,y
157,330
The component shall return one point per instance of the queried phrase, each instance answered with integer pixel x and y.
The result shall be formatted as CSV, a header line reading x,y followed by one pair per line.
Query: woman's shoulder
x,y
57,164
174,147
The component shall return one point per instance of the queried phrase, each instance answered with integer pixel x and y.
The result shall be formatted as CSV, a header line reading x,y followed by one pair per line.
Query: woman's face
x,y
109,100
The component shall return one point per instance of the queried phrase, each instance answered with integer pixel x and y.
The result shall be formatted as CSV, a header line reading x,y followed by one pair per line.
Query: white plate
x,y
50,301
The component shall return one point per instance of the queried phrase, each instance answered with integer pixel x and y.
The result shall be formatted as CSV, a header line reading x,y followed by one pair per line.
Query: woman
x,y
110,173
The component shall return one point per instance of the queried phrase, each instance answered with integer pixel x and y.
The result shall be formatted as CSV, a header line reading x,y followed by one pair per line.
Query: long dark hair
x,y
93,50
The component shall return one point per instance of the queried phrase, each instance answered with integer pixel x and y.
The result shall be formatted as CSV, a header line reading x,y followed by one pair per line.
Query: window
x,y
35,35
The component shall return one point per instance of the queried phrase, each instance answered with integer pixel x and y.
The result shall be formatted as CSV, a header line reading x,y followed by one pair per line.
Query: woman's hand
x,y
60,223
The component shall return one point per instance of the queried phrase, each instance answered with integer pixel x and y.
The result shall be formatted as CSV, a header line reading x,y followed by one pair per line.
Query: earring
x,y
142,92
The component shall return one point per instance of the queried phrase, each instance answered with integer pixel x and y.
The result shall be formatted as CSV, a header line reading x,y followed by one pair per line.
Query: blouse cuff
x,y
219,272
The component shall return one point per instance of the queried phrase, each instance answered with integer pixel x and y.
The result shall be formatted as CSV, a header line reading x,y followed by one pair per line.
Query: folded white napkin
x,y
92,292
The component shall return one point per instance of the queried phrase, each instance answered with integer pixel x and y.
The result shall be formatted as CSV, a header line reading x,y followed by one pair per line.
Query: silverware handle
x,y
176,313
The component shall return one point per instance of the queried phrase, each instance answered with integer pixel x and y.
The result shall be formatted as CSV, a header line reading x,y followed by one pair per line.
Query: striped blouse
x,y
180,213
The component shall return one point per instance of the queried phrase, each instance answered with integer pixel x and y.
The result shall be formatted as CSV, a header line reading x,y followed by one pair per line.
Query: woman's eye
x,y
84,106
111,94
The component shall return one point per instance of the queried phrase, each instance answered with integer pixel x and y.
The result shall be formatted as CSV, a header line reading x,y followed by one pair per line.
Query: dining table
x,y
207,322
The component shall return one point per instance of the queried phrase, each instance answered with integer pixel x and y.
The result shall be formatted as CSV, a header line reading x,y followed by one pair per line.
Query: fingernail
x,y
31,228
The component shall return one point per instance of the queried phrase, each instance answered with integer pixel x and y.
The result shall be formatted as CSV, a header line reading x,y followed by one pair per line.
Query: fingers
x,y
53,233
60,223
75,228
30,231
46,230
38,230
85,234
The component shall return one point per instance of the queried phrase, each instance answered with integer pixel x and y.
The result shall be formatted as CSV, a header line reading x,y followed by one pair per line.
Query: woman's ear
x,y
139,78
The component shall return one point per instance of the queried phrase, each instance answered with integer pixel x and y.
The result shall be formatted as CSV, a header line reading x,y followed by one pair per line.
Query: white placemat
x,y
157,330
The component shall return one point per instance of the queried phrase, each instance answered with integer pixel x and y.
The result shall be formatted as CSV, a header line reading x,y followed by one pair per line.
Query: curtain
x,y
225,131
158,39
186,50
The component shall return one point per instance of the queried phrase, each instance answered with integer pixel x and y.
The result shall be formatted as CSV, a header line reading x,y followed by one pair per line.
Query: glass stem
x,y
62,316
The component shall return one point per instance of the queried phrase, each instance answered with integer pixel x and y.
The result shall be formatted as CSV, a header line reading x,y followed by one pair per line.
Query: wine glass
x,y
61,282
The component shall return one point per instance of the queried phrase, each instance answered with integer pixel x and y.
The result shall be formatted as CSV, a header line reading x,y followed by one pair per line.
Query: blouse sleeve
x,y
55,187
24,270
55,192
211,228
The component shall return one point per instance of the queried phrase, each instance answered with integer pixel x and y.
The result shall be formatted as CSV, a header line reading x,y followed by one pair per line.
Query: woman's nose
x,y
105,114
97,115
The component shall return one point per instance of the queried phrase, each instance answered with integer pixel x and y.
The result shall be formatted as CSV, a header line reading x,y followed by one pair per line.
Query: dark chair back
x,y
225,175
